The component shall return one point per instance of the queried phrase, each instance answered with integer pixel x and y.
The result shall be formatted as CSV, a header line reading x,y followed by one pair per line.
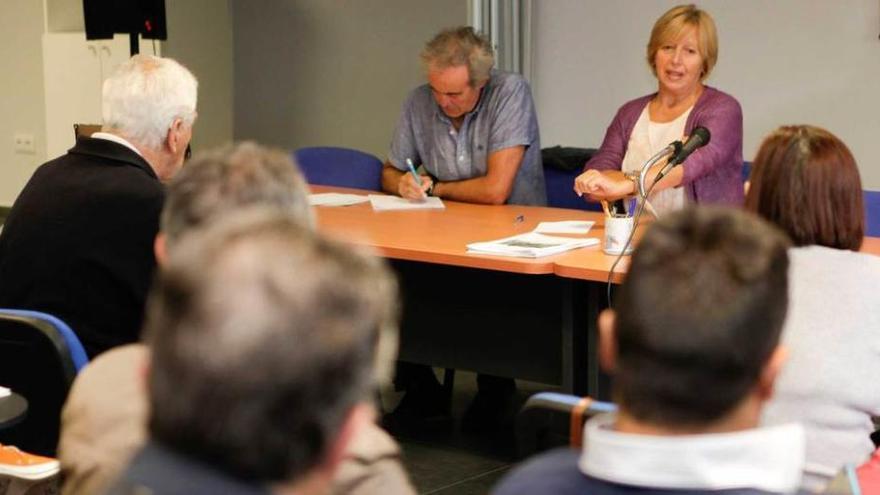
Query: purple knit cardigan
x,y
712,174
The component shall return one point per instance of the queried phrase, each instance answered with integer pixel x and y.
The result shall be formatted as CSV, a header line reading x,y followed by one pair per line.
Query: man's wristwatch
x,y
430,191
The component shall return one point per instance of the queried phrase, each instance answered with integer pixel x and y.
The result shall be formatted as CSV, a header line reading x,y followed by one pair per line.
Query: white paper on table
x,y
389,203
564,227
530,245
336,199
5,392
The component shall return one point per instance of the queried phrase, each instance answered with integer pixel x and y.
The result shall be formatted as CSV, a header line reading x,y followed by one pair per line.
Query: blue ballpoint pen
x,y
412,170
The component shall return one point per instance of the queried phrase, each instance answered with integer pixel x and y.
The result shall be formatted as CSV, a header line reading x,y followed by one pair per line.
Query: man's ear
x,y
608,340
160,249
143,370
771,371
358,418
172,137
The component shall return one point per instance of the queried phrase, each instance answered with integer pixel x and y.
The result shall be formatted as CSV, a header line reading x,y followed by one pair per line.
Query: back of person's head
x,y
264,338
805,180
218,182
144,97
698,316
458,46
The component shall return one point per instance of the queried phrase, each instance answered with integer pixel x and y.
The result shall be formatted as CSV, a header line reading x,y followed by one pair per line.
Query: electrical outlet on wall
x,y
23,143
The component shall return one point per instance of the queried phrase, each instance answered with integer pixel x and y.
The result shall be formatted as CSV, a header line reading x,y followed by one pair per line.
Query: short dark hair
x,y
699,314
805,180
263,338
216,182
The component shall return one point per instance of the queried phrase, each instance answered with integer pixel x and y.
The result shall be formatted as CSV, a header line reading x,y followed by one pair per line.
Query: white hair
x,y
144,96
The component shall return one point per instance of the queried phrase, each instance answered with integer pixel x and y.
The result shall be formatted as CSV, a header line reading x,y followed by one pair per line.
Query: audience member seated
x,y
682,51
693,348
104,419
77,242
262,364
805,180
27,474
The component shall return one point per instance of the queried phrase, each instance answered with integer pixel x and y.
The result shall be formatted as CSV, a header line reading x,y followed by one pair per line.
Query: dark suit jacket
x,y
78,242
160,471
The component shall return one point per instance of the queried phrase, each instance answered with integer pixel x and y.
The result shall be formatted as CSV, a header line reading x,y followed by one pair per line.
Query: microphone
x,y
698,138
673,149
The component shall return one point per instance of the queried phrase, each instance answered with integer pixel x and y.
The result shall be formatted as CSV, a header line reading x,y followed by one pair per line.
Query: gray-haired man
x,y
77,243
474,131
105,417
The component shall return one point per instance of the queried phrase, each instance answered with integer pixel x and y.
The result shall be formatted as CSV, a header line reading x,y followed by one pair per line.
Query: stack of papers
x,y
5,392
530,245
389,203
336,199
565,227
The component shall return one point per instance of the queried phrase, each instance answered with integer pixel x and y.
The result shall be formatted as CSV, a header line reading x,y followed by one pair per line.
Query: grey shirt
x,y
504,117
829,380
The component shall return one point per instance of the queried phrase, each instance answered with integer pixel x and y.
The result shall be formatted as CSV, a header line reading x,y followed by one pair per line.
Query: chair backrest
x,y
344,167
872,213
550,419
746,171
39,358
561,166
85,130
560,190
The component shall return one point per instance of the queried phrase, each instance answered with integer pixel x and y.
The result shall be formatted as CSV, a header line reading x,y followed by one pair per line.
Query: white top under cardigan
x,y
647,139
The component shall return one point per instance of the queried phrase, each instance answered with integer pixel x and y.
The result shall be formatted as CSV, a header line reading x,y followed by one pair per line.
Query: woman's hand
x,y
608,185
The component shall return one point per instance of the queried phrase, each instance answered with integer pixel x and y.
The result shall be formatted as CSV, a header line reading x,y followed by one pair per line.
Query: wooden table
x,y
871,245
524,318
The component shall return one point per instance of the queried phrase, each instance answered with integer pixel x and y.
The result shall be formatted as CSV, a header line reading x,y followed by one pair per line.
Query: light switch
x,y
24,143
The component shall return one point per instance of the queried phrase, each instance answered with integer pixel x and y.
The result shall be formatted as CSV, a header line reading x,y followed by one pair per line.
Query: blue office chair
x,y
562,164
872,213
746,171
560,190
550,419
39,358
343,167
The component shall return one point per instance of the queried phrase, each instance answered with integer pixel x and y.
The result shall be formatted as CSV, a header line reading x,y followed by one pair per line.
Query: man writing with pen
x,y
472,129
474,132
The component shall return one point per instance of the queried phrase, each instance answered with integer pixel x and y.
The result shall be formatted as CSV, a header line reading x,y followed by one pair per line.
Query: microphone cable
x,y
638,215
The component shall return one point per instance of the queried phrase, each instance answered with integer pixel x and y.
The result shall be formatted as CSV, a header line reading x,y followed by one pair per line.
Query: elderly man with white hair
x,y
78,241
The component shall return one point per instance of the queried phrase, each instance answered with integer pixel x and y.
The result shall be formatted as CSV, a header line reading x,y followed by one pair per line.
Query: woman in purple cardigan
x,y
681,52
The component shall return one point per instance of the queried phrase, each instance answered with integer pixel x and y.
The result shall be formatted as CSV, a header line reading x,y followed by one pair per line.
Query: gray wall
x,y
200,37
200,33
319,72
21,92
787,61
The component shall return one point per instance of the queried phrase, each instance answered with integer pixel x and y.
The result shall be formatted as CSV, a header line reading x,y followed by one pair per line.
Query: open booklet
x,y
530,245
